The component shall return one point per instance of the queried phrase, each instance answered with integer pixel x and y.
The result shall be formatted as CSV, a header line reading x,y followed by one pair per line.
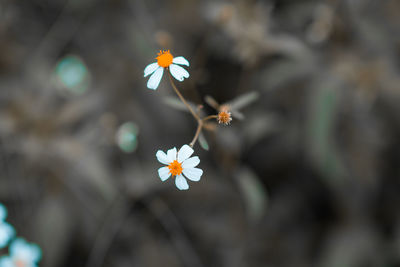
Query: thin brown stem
x,y
200,122
183,99
209,118
196,136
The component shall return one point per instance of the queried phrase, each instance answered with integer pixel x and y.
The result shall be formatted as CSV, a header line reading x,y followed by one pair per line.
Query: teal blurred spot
x,y
324,105
127,137
3,212
72,74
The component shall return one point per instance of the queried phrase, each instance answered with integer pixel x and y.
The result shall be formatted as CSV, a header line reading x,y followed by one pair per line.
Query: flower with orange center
x,y
165,60
22,254
180,165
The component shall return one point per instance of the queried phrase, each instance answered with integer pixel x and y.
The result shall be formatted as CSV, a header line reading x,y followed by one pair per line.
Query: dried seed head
x,y
224,117
164,39
226,13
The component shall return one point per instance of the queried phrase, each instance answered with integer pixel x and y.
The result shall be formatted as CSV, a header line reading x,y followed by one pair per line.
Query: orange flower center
x,y
164,58
19,263
175,168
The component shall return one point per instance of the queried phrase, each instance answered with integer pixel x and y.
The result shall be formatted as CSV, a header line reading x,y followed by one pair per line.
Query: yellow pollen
x,y
224,117
164,58
175,168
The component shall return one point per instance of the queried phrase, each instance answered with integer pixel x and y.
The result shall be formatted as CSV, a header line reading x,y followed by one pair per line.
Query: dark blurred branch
x,y
114,220
172,225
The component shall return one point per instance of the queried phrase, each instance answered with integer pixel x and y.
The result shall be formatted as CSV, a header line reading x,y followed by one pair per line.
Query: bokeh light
x,y
127,137
72,74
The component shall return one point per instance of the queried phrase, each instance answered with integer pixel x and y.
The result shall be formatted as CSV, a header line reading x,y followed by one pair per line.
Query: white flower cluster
x,y
179,163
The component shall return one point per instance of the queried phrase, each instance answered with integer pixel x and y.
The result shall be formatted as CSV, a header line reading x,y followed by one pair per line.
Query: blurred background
x,y
310,176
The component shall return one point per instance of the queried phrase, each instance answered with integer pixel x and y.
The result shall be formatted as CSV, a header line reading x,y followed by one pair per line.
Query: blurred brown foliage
x,y
310,177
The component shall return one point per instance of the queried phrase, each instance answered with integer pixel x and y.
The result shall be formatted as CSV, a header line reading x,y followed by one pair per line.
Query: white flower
x,y
22,254
165,60
6,230
6,233
179,164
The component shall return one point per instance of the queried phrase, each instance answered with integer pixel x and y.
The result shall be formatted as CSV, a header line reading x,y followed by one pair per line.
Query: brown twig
x,y
209,118
200,122
199,126
182,98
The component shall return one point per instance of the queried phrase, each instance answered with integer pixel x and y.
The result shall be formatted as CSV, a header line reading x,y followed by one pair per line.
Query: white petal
x,y
191,162
180,60
164,173
184,153
150,69
24,250
155,78
6,261
171,154
178,72
193,174
6,233
162,157
181,182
